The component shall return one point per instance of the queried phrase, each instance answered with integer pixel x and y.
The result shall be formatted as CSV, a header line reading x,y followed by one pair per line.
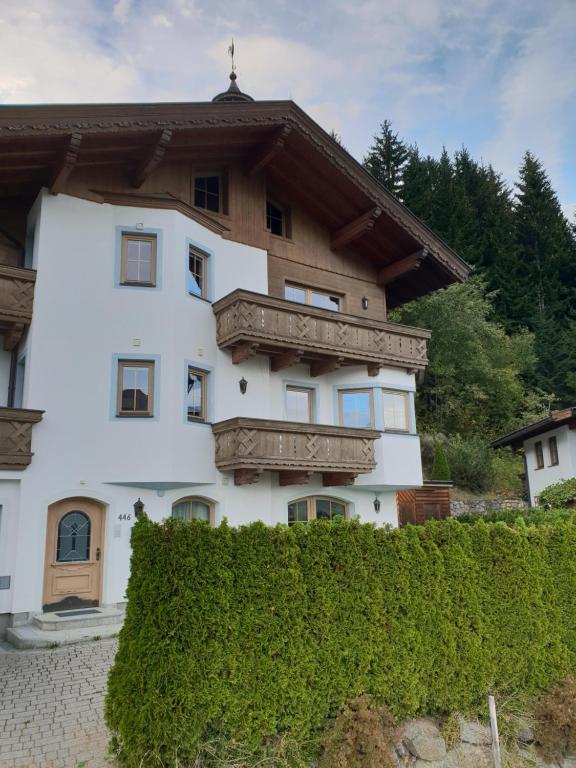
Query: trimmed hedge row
x,y
254,631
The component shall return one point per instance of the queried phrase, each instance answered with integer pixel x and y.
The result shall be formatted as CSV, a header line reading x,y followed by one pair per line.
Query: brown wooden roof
x,y
40,145
556,419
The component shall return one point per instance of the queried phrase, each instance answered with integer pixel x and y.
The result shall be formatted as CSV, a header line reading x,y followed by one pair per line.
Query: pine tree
x,y
440,466
387,158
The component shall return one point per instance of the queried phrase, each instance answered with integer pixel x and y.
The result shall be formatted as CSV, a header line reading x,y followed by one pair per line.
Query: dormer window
x,y
208,192
277,219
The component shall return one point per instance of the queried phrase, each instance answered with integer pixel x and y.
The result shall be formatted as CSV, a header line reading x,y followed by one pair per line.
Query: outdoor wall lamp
x,y
364,302
243,385
376,504
138,508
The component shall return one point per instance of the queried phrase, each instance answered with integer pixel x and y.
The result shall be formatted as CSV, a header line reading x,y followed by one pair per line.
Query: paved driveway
x,y
51,706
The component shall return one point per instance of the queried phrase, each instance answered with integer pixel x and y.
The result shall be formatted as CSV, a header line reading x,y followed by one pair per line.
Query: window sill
x,y
281,238
202,422
134,415
127,284
200,298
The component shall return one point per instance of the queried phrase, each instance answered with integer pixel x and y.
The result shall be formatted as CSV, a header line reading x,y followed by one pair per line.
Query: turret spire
x,y
233,93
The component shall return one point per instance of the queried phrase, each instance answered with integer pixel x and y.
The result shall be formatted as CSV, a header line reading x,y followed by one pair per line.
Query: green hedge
x,y
249,632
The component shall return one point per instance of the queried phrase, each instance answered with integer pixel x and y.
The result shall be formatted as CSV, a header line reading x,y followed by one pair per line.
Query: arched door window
x,y
73,542
316,508
194,508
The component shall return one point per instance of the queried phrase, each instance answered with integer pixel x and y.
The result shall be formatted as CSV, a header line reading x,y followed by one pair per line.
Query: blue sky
x,y
497,76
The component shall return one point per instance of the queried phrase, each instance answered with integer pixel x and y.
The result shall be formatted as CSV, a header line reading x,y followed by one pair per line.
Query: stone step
x,y
63,621
29,636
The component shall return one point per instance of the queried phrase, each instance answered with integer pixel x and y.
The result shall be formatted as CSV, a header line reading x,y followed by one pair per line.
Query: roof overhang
x,y
40,146
515,440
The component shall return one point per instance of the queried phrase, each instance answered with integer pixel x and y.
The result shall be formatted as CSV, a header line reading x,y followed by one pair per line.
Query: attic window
x,y
208,192
277,219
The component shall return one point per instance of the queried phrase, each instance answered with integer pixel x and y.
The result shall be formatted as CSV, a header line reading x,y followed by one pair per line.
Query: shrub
x,y
470,460
252,633
361,737
560,494
440,467
555,720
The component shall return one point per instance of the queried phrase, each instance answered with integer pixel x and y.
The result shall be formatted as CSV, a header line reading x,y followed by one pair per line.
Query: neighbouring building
x,y
549,448
193,303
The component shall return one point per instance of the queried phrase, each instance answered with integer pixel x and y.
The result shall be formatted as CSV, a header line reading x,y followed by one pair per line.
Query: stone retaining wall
x,y
482,506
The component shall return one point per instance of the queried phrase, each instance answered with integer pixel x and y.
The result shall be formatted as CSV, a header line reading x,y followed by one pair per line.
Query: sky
x,y
497,76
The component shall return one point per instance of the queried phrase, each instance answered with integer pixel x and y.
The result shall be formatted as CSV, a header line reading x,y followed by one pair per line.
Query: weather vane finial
x,y
231,54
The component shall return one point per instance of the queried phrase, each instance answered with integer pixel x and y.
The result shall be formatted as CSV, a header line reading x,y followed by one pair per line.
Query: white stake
x,y
494,727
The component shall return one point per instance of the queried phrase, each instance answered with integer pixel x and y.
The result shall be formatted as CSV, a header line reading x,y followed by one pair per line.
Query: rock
x,y
473,732
526,734
423,740
569,762
462,756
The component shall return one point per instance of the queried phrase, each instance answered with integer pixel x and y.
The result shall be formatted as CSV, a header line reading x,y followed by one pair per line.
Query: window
x,y
356,407
135,388
278,219
299,404
197,395
316,508
138,260
539,455
396,410
208,192
553,451
312,296
194,508
73,543
197,273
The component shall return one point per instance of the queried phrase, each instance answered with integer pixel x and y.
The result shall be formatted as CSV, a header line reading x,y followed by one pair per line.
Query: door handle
x,y
97,553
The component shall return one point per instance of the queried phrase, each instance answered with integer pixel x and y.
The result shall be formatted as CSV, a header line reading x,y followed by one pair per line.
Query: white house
x,y
549,448
193,305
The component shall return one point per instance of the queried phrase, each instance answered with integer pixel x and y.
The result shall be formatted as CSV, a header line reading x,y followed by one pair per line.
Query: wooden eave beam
x,y
355,229
244,351
294,477
286,359
67,164
402,267
267,152
333,479
152,159
327,365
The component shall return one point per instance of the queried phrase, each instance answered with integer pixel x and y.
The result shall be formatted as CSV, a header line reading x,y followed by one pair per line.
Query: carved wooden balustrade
x,y
295,450
250,323
16,299
16,436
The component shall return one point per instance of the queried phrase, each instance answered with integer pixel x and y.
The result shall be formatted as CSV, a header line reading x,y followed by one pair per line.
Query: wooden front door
x,y
74,551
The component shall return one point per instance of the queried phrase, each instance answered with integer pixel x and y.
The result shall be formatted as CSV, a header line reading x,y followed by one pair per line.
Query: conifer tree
x,y
386,158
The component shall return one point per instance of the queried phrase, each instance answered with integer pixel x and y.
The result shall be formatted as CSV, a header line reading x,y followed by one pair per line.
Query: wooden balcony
x,y
295,450
290,333
16,436
16,299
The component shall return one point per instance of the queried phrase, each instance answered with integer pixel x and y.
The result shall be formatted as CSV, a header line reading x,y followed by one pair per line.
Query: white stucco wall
x,y
81,320
566,468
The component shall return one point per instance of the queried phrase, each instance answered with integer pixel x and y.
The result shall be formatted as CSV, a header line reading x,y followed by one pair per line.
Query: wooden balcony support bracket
x,y
264,155
13,335
152,159
355,229
328,365
400,268
286,359
16,436
67,164
373,369
333,479
244,351
246,476
294,477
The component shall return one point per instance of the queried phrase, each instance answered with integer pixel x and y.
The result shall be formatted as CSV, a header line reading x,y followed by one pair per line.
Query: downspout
x,y
12,377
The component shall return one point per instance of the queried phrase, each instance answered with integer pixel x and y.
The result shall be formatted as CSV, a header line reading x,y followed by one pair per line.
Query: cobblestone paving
x,y
51,706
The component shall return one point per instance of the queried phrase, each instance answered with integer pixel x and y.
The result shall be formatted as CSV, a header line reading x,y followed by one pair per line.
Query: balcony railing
x,y
295,450
16,299
16,436
290,333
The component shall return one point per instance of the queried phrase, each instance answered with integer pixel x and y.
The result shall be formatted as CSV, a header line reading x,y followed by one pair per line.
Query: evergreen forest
x,y
503,349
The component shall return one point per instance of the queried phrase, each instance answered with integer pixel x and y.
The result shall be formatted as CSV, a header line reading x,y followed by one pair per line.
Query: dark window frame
x,y
553,451
539,451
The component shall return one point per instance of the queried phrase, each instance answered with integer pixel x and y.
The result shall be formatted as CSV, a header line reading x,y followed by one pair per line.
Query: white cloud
x,y
161,21
121,10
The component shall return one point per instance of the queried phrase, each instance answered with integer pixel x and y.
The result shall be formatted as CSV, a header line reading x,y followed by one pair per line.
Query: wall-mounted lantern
x,y
364,302
243,384
376,504
138,508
